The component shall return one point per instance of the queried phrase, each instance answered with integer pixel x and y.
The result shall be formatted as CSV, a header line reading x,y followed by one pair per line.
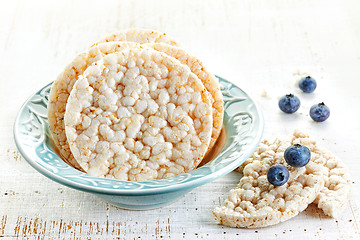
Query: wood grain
x,y
262,46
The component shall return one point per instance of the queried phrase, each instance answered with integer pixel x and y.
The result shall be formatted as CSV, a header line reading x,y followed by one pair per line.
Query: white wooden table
x,y
259,45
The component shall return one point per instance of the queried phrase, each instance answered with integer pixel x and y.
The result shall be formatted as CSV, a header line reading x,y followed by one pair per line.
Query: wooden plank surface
x,y
260,45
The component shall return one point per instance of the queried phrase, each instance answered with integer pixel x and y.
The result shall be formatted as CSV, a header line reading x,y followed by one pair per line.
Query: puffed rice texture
x,y
256,203
208,79
138,115
334,195
62,87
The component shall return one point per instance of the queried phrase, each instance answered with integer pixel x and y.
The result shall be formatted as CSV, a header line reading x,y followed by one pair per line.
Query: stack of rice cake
x,y
135,106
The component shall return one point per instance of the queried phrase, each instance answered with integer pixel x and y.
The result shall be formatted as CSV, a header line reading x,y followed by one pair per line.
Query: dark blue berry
x,y
297,155
278,175
319,112
289,103
307,84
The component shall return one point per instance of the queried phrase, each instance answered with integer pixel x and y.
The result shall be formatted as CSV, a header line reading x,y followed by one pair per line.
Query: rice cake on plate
x,y
62,87
138,115
208,79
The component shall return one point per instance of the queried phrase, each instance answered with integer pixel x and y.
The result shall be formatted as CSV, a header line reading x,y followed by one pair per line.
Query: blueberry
x,y
319,112
297,155
307,84
278,175
289,103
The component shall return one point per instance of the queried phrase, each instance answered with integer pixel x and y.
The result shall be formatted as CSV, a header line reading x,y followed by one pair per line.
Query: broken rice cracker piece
x,y
335,193
257,203
138,115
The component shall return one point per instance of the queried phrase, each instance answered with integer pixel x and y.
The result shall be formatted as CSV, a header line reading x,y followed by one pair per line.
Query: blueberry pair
x,y
290,103
296,156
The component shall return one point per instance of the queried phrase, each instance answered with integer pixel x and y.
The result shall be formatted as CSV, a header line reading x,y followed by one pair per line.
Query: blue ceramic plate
x,y
243,128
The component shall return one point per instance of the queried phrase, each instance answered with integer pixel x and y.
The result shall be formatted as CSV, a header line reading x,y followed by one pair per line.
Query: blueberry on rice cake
x,y
256,203
334,195
137,115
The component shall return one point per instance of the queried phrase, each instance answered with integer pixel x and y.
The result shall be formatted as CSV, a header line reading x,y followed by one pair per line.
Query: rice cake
x,y
138,115
335,193
333,197
62,87
208,79
140,36
257,203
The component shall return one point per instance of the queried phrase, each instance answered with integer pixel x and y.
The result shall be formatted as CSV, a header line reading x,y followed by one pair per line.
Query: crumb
x,y
300,73
264,93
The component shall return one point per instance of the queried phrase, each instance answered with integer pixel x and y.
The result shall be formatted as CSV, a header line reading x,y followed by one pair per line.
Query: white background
x,y
262,46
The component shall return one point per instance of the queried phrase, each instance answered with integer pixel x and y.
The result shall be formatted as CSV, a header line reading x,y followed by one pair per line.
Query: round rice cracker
x,y
138,115
256,203
62,87
140,36
334,195
208,79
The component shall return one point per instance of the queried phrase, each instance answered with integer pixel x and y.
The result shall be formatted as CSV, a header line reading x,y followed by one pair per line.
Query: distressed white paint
x,y
258,45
